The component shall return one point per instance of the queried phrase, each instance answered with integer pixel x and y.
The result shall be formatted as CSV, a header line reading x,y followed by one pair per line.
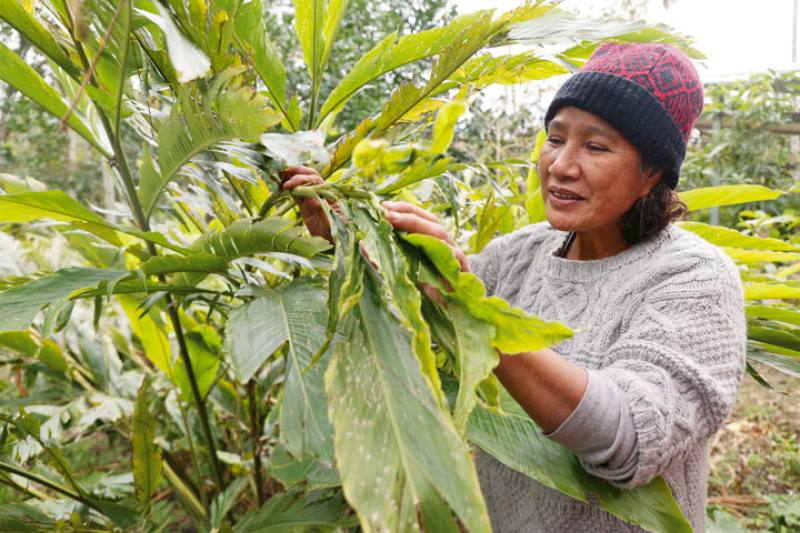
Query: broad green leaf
x,y
309,19
19,306
444,128
228,111
784,337
787,361
201,262
397,450
534,204
20,342
722,236
10,184
145,453
392,53
55,205
379,242
773,312
295,313
225,502
515,440
152,333
511,69
244,238
720,195
205,362
289,512
750,257
769,291
188,61
421,169
19,75
22,20
515,330
475,359
253,39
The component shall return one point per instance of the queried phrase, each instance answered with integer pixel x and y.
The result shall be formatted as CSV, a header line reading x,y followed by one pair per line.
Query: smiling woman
x,y
659,354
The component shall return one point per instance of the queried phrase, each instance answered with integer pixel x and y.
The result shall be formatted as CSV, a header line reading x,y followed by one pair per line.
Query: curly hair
x,y
650,215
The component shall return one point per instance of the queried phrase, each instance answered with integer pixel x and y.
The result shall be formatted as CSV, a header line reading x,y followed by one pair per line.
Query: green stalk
x,y
121,163
52,485
316,81
255,433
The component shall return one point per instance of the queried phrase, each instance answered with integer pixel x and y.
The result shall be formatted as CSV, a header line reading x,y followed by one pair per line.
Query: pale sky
x,y
737,36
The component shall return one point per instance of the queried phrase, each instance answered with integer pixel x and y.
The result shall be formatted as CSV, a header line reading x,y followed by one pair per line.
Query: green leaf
x,y
773,312
295,313
188,61
286,512
769,291
20,342
201,262
13,12
515,330
298,148
720,195
397,450
253,39
205,362
19,75
55,205
515,440
392,53
784,337
475,359
145,454
444,128
750,257
18,306
229,111
778,359
722,236
152,333
244,238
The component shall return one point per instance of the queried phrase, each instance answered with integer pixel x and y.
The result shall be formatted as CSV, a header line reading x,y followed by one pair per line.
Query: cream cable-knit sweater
x,y
660,328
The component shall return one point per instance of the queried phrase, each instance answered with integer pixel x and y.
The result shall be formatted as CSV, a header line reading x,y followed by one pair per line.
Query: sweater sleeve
x,y
669,381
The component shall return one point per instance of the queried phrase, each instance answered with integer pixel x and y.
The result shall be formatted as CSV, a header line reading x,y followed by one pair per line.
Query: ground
x,y
755,459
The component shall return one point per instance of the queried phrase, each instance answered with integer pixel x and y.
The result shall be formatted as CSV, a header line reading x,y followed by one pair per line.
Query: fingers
x,y
298,180
405,207
413,223
291,171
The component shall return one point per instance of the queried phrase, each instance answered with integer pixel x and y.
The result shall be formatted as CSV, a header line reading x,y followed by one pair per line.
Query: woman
x,y
656,362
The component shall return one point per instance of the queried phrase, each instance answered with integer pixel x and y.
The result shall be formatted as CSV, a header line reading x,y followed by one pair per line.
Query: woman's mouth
x,y
564,197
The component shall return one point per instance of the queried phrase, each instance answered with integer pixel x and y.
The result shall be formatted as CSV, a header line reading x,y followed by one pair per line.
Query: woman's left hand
x,y
408,217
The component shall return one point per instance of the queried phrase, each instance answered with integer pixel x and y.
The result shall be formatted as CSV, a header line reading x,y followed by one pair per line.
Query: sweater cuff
x,y
600,431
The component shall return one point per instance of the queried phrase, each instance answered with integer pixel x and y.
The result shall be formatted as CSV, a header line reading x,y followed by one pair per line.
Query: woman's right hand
x,y
311,210
408,217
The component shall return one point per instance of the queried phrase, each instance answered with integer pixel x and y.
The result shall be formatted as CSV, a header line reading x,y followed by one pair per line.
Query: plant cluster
x,y
258,377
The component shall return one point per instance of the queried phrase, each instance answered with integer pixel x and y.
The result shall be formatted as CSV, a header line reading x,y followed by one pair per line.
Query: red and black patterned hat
x,y
650,92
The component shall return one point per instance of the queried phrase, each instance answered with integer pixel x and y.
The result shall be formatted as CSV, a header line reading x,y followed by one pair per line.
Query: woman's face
x,y
591,175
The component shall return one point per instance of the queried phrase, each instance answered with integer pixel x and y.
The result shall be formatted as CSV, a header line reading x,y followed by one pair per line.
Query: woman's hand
x,y
407,217
311,210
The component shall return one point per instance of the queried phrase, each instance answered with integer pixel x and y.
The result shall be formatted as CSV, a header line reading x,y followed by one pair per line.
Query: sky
x,y
737,36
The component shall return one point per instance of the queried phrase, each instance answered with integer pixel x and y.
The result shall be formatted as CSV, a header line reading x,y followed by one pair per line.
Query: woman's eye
x,y
554,140
597,148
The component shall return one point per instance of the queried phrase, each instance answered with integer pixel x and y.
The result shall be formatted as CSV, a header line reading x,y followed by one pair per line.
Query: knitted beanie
x,y
651,93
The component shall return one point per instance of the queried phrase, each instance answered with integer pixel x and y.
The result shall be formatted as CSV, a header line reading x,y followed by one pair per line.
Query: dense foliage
x,y
258,377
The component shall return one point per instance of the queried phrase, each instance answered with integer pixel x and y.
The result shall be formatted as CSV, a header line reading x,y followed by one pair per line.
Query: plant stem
x,y
255,436
52,485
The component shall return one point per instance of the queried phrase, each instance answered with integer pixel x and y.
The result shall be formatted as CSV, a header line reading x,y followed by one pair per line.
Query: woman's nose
x,y
565,164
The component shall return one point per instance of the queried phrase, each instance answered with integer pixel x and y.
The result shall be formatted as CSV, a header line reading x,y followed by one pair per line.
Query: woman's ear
x,y
651,176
